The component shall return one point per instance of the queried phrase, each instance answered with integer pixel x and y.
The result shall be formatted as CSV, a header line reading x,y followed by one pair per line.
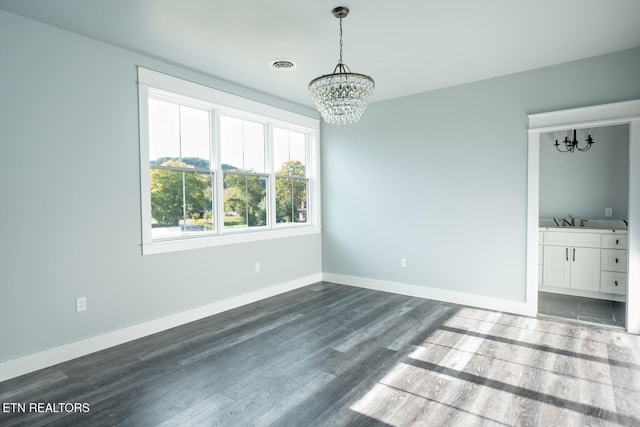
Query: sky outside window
x,y
176,130
242,144
289,146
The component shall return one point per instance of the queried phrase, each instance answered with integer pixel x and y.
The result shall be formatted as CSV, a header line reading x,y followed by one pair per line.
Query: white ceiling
x,y
407,46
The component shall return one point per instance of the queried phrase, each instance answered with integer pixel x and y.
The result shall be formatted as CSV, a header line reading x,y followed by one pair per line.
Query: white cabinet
x,y
571,267
613,261
590,263
556,270
585,269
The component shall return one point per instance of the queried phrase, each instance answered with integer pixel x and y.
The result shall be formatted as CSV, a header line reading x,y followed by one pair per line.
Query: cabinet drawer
x,y
613,260
614,241
613,283
584,240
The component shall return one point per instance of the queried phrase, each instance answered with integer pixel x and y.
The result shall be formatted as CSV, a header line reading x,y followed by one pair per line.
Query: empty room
x,y
297,213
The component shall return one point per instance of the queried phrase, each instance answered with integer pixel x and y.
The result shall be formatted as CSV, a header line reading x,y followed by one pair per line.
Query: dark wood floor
x,y
335,355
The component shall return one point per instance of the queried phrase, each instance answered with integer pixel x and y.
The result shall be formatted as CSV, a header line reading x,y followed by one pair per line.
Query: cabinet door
x,y
585,269
556,269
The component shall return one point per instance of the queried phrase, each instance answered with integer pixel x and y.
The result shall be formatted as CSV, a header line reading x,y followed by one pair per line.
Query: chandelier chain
x,y
340,61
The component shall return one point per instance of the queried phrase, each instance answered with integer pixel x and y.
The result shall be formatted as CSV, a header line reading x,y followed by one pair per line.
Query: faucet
x,y
573,220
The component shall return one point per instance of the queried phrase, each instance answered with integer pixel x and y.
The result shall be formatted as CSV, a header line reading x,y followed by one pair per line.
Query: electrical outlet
x,y
403,263
608,212
81,304
257,267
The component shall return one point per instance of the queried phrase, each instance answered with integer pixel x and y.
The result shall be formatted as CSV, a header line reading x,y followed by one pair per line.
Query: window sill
x,y
164,246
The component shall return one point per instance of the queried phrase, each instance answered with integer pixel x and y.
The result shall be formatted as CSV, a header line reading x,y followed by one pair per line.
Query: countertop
x,y
589,225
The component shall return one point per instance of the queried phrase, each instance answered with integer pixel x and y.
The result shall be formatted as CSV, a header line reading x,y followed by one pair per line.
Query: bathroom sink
x,y
602,224
554,223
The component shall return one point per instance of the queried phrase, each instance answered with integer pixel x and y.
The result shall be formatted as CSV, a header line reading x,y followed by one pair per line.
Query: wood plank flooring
x,y
332,355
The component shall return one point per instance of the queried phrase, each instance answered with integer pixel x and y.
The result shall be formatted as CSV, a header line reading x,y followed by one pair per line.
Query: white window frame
x,y
218,102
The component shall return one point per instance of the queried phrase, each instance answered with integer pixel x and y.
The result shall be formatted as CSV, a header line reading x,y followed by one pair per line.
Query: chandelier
x,y
341,97
570,146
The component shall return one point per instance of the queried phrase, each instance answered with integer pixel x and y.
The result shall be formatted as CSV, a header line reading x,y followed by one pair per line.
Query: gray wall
x,y
70,210
584,184
441,178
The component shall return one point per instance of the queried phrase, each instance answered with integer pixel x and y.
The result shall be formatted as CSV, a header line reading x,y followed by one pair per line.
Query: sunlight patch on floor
x,y
556,352
400,408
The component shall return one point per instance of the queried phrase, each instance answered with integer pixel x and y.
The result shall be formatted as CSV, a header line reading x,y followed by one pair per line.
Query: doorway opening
x,y
583,211
542,126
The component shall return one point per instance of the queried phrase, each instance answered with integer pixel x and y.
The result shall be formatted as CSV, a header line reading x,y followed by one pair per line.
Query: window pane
x,y
245,202
164,132
235,201
242,144
231,143
198,201
291,200
289,152
195,137
257,200
298,149
166,202
254,147
280,150
181,201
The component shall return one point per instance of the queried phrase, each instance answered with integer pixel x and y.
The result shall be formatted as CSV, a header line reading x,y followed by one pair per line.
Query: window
x,y
181,179
245,181
290,159
219,169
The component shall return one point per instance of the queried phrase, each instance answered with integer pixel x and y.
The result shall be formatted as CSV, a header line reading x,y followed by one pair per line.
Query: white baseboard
x,y
497,304
32,362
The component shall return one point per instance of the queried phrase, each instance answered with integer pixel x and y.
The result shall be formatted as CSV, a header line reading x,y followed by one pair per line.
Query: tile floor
x,y
585,309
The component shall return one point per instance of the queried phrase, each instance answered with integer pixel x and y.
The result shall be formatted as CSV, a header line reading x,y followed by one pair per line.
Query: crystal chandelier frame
x,y
342,96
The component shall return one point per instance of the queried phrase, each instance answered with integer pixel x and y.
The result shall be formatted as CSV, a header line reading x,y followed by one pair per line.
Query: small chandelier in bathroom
x,y
571,146
341,97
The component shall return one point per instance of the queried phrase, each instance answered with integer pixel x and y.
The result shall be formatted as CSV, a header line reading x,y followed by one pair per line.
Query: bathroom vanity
x,y
586,258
